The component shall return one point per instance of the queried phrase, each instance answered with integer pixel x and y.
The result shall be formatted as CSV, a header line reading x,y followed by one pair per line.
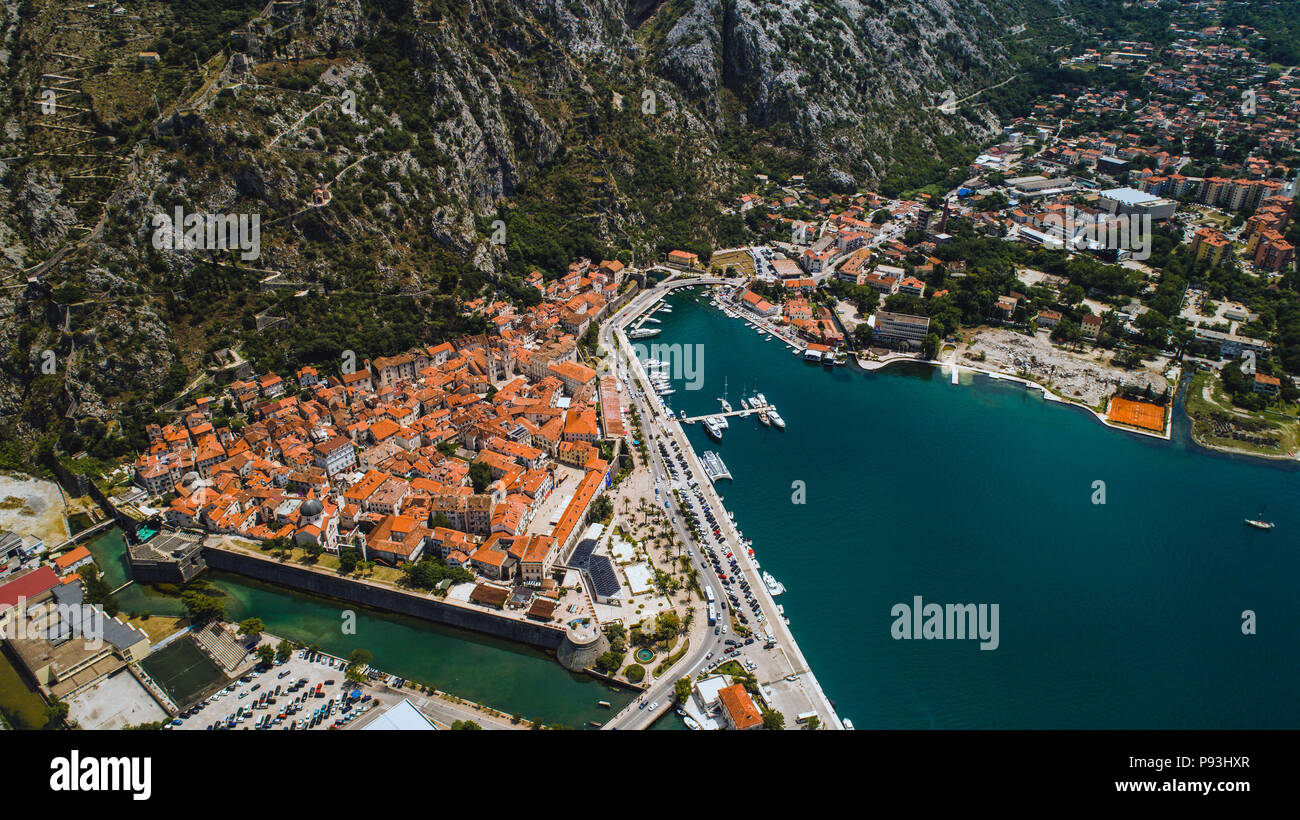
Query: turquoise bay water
x,y
1122,615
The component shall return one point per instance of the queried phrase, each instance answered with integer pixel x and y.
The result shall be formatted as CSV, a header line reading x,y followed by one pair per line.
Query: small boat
x,y
681,711
744,404
777,421
764,419
1258,521
848,724
691,723
775,587
726,405
604,703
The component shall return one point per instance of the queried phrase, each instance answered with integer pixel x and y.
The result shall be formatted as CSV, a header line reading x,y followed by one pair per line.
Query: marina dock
x,y
751,411
785,656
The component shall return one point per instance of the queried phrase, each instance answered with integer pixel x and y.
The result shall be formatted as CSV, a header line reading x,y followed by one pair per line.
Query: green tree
x,y
1065,331
96,590
480,475
266,654
602,508
465,725
252,627
667,624
348,559
862,335
203,607
56,714
682,690
773,719
283,651
930,348
144,727
609,662
357,662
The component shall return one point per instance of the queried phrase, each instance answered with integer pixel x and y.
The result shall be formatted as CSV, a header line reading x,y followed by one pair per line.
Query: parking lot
x,y
308,691
716,552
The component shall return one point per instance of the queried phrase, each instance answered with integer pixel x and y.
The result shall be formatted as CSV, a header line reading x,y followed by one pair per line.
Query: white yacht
x,y
777,421
774,586
712,427
722,422
761,400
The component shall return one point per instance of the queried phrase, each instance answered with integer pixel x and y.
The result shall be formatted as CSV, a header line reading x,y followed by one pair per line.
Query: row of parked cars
x,y
668,460
713,544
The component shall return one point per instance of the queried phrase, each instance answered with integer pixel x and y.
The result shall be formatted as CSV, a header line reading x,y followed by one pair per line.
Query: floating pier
x,y
749,412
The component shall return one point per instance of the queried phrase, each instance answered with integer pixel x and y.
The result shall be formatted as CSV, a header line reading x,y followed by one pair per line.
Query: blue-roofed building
x,y
597,570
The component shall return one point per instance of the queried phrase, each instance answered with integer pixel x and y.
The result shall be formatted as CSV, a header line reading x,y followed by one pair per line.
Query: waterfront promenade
x,y
775,666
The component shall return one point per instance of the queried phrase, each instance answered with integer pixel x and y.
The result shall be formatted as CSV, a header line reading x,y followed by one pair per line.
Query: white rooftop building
x,y
402,717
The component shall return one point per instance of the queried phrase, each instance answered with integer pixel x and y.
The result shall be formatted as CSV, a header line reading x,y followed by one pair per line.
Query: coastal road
x,y
791,697
441,711
638,715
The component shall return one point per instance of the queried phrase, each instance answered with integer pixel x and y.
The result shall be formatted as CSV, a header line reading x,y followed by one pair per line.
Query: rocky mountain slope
x,y
378,142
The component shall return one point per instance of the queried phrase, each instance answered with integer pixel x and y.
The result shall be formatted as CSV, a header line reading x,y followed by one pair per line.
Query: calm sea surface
x,y
1126,614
